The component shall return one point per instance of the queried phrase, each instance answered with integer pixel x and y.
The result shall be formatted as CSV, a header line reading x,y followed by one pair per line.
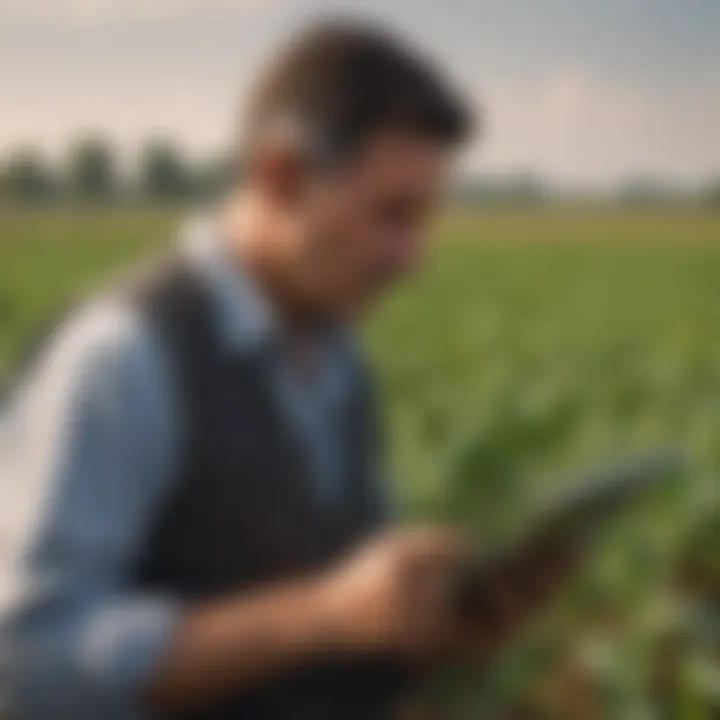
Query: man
x,y
199,445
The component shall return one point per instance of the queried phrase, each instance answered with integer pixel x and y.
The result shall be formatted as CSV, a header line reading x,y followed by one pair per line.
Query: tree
x,y
517,188
164,174
713,194
26,176
216,175
645,190
91,170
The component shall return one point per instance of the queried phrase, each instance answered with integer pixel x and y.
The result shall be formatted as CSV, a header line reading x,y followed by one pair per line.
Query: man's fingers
x,y
513,594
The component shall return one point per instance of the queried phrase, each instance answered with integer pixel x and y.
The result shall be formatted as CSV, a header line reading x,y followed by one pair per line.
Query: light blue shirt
x,y
89,446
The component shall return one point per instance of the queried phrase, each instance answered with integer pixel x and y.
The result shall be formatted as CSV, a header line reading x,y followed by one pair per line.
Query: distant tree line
x,y
524,188
92,172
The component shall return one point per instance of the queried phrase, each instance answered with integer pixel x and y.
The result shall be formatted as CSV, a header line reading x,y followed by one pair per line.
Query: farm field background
x,y
536,342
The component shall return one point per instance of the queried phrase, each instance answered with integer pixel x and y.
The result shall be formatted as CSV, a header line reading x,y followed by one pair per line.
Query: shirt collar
x,y
245,318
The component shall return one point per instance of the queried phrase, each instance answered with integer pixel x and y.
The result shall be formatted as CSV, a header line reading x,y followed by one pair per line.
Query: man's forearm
x,y
232,645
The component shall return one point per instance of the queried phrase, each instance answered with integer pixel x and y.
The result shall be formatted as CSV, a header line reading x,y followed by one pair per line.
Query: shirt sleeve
x,y
87,447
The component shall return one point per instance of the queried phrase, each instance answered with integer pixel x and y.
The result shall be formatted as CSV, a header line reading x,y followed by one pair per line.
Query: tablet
x,y
571,518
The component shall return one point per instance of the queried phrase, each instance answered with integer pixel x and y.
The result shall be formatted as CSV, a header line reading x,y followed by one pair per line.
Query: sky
x,y
579,90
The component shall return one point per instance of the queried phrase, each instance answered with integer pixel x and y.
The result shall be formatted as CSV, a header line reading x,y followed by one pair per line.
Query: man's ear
x,y
280,170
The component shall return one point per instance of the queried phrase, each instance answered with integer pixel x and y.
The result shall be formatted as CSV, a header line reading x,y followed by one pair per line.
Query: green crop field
x,y
536,342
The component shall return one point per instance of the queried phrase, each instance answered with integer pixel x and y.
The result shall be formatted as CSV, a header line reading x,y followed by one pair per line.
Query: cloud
x,y
178,66
83,11
574,124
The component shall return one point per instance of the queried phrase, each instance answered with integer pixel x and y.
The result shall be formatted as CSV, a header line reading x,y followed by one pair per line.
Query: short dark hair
x,y
343,81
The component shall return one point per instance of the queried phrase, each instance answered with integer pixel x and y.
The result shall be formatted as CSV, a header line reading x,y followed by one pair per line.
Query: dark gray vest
x,y
243,511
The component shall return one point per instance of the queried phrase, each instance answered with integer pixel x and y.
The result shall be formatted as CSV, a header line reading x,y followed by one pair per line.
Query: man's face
x,y
364,225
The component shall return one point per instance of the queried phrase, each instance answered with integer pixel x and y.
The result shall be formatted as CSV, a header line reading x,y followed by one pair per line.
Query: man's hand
x,y
514,592
395,596
391,596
